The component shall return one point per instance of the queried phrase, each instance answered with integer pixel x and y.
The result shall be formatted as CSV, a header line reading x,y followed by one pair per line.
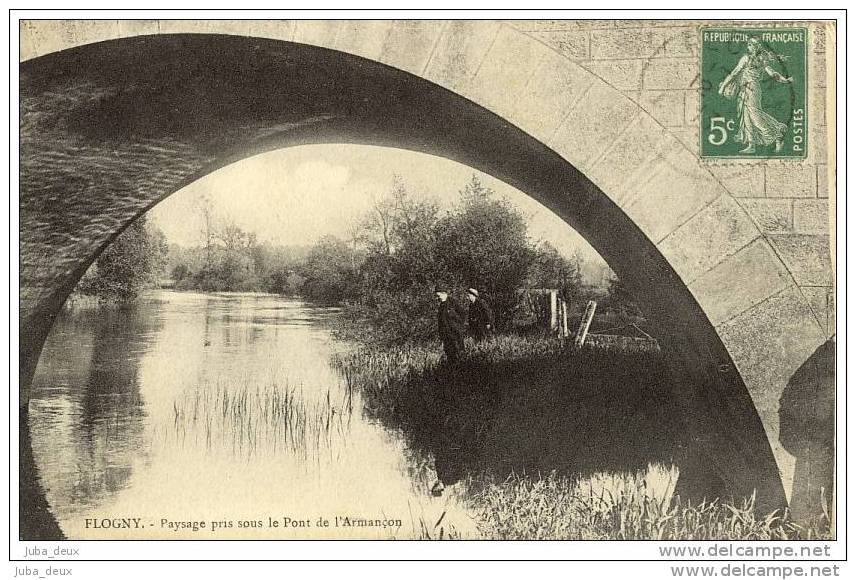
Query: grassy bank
x,y
623,507
521,405
551,443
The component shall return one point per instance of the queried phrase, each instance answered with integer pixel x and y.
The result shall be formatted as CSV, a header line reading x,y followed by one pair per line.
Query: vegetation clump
x,y
550,442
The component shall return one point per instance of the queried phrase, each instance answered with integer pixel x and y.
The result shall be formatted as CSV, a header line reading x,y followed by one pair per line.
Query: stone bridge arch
x,y
117,115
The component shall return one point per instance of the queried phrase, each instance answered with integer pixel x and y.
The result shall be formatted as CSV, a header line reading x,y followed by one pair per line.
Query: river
x,y
191,415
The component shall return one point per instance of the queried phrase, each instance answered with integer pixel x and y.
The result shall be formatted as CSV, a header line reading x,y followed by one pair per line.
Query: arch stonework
x,y
750,242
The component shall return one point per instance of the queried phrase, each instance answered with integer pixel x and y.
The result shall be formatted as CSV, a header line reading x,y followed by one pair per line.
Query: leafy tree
x,y
550,269
328,273
620,300
181,272
484,245
397,268
133,261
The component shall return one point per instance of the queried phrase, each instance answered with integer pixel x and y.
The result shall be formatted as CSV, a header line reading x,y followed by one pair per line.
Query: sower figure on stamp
x,y
755,127
450,325
479,316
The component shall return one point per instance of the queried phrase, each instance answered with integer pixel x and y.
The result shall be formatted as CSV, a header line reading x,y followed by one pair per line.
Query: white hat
x,y
473,291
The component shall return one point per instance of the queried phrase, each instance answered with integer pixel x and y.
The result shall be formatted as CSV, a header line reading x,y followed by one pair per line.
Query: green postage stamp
x,y
753,99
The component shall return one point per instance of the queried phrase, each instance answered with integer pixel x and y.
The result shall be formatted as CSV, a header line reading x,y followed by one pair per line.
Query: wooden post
x,y
582,332
564,319
554,311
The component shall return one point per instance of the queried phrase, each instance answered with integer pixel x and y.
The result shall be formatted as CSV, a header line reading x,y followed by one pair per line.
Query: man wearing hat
x,y
480,316
450,325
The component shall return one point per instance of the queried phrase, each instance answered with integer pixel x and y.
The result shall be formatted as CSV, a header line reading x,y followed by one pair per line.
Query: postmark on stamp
x,y
753,93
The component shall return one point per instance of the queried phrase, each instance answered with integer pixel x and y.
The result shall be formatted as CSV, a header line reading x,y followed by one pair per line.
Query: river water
x,y
192,415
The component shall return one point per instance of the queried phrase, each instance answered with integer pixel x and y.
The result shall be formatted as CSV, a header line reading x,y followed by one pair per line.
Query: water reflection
x,y
87,395
213,407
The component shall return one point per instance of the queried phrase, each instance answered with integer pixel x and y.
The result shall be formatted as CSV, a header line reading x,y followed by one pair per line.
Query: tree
x,y
206,211
484,245
133,261
550,269
328,274
397,268
620,300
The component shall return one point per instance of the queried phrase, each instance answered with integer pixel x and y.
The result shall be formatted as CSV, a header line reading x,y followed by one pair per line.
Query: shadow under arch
x,y
112,128
807,431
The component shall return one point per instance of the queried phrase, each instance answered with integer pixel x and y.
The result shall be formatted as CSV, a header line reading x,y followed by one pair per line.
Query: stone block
x,y
549,96
460,51
558,25
818,39
623,75
604,114
681,41
740,281
234,27
138,27
687,136
624,43
665,106
818,144
506,71
28,40
817,69
275,29
822,181
740,180
638,152
643,43
42,37
768,343
670,73
822,302
410,44
363,38
791,180
572,44
811,216
678,182
817,107
691,107
317,32
773,216
806,256
714,233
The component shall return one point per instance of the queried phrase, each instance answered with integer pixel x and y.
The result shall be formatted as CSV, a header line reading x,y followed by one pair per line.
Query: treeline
x,y
385,269
383,272
242,265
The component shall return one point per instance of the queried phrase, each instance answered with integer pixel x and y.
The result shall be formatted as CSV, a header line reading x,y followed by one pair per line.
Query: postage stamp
x,y
753,99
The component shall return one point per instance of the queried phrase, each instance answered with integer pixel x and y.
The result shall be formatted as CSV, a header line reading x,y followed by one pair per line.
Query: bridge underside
x,y
110,129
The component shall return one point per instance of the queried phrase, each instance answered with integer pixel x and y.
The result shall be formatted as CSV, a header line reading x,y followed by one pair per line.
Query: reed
x,y
248,419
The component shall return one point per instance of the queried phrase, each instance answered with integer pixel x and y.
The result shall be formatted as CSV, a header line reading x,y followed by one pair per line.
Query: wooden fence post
x,y
582,332
564,319
554,311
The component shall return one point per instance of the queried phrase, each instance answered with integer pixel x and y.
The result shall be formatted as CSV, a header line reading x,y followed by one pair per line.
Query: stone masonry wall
x,y
656,64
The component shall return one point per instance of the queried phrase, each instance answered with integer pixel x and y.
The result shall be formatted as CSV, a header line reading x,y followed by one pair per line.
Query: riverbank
x,y
543,441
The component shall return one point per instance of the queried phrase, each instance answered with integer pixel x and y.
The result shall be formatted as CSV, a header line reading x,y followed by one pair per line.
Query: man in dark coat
x,y
450,325
480,316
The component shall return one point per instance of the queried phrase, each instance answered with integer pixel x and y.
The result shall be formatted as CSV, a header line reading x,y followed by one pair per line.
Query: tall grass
x,y
622,507
272,418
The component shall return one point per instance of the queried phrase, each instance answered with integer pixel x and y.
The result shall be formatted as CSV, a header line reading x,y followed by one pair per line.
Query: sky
x,y
295,196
